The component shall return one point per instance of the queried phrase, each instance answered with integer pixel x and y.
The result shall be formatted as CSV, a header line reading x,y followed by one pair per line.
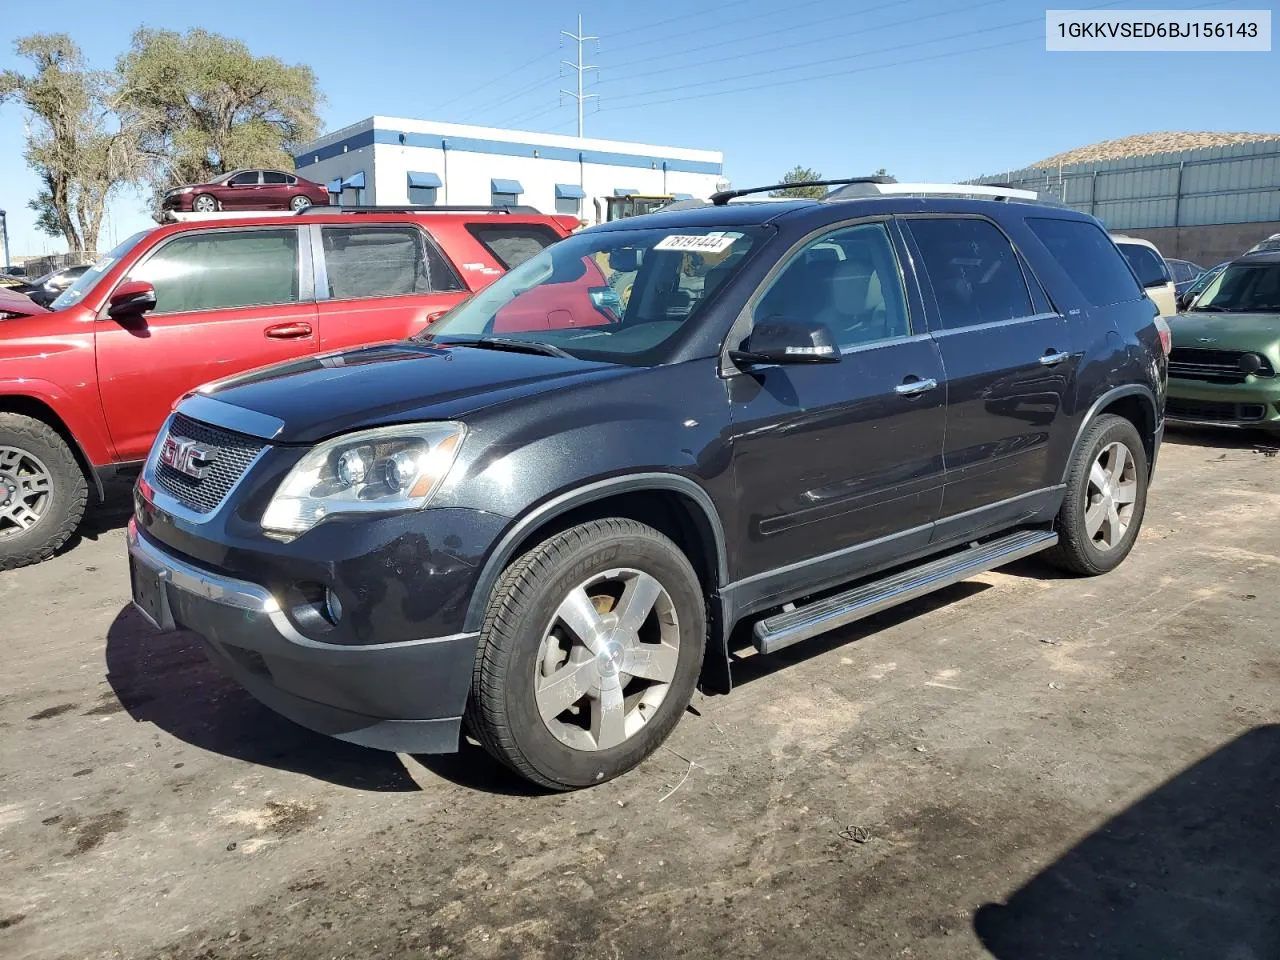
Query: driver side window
x,y
849,280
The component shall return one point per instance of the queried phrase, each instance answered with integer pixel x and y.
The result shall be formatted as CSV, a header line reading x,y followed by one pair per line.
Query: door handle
x,y
287,331
1052,359
913,387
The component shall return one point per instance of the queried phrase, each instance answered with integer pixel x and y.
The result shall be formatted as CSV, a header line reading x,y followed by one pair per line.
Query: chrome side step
x,y
801,623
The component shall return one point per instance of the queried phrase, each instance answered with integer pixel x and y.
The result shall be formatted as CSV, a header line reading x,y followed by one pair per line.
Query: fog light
x,y
332,605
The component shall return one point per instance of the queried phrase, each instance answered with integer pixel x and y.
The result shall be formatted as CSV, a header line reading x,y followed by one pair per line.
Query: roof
x,y
1144,144
1262,257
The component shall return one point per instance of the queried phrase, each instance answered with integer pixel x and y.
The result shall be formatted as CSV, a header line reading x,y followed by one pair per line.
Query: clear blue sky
x,y
930,89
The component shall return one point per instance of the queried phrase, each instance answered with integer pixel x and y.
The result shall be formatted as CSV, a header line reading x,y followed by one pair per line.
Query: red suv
x,y
247,190
85,388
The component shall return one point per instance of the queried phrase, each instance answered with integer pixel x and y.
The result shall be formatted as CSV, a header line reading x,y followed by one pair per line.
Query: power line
x,y
872,68
497,79
507,98
823,39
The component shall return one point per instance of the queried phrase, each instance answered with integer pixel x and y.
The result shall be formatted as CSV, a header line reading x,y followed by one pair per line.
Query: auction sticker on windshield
x,y
702,243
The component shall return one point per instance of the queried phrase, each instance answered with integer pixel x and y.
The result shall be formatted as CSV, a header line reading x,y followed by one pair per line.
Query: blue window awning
x,y
335,185
624,191
355,181
682,196
423,180
506,186
569,191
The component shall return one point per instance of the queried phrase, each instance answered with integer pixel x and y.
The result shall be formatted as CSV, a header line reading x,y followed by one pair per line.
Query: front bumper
x,y
1255,403
405,697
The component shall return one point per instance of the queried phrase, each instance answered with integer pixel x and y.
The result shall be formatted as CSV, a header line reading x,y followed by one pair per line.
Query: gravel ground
x,y
1023,766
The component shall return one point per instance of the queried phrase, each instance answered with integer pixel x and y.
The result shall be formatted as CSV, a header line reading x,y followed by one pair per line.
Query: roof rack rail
x,y
869,188
478,208
724,196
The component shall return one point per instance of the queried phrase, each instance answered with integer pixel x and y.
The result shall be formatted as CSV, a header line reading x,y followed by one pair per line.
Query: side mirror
x,y
624,260
778,340
132,298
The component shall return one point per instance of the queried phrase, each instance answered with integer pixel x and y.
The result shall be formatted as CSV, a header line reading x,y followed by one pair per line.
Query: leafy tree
x,y
80,154
205,104
800,175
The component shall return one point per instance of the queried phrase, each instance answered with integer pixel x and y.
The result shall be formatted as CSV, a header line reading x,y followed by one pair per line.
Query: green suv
x,y
1226,349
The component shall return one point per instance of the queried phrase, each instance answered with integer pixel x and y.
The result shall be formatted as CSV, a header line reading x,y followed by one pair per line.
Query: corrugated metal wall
x,y
1216,185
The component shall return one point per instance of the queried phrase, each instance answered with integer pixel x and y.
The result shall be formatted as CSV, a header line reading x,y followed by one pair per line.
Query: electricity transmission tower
x,y
580,68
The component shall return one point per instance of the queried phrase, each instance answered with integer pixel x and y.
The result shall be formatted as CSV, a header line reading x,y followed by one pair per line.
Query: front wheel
x,y
42,491
204,204
589,654
1105,500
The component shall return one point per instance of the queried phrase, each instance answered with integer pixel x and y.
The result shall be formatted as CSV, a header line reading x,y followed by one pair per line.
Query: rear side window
x,y
273,176
973,270
511,245
371,261
1088,256
212,271
1149,266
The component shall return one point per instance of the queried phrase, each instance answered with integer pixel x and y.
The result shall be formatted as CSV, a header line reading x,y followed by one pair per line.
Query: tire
x,y
30,448
1080,550
523,638
299,203
204,203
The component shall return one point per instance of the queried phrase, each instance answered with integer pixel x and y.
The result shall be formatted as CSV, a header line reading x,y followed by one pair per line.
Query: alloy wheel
x,y
204,205
299,203
26,487
1113,489
607,659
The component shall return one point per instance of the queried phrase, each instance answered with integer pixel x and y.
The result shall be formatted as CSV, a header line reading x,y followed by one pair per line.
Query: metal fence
x,y
38,266
1214,185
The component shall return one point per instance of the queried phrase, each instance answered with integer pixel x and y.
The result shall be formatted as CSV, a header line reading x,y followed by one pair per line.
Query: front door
x,y
1010,361
379,282
838,463
243,191
226,301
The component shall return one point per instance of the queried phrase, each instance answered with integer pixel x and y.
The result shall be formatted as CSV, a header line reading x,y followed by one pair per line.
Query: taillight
x,y
1166,335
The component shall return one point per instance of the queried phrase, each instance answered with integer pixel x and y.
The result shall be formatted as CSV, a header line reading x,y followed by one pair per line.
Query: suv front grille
x,y
1215,366
229,455
1214,412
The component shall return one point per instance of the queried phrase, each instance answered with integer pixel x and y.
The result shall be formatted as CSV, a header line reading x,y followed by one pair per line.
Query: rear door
x,y
379,281
1010,363
226,301
275,189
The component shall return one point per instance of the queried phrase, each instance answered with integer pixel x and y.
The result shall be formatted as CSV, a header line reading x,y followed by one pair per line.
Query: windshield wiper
x,y
1209,308
512,344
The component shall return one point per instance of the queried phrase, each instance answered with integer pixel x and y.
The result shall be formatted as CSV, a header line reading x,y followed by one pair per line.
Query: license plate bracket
x,y
150,595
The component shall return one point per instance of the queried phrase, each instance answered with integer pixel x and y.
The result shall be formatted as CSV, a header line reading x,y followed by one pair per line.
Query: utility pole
x,y
581,69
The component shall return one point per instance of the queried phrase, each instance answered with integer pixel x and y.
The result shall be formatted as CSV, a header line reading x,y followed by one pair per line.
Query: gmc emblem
x,y
187,456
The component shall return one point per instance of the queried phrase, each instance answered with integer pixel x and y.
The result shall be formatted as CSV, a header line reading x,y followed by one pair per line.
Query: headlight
x,y
373,471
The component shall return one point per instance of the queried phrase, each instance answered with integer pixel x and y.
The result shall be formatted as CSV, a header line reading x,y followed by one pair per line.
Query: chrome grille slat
x,y
235,452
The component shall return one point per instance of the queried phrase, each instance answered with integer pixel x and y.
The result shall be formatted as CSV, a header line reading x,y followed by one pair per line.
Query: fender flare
x,y
504,552
1110,396
50,395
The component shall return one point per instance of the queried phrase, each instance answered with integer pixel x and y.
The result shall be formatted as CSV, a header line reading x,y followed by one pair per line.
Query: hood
x,y
319,397
1226,331
11,302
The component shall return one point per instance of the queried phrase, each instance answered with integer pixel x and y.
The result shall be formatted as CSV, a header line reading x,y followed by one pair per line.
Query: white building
x,y
390,161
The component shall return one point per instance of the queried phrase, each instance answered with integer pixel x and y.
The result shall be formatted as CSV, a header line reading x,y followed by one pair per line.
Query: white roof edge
x,y
441,128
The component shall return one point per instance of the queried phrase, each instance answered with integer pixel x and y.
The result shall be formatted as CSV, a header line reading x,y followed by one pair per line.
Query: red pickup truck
x,y
84,388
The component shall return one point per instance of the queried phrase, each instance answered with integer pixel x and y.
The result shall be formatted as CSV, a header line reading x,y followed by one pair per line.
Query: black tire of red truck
x,y
43,491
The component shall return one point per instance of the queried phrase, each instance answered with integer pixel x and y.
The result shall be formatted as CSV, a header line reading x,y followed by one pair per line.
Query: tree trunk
x,y
59,193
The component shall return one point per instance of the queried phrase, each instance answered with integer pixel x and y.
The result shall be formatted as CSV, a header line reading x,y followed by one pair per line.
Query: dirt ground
x,y
1023,766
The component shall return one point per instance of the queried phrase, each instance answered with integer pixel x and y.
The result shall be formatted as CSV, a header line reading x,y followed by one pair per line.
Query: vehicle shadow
x,y
748,669
165,679
1187,871
472,768
112,513
1259,441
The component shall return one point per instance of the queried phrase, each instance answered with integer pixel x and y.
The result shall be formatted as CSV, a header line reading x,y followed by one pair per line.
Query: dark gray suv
x,y
796,414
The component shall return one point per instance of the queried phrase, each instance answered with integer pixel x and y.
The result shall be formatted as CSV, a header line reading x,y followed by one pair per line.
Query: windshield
x,y
1244,288
86,281
1206,278
615,296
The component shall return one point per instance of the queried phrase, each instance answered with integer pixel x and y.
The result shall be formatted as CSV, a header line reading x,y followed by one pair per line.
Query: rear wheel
x,y
1105,500
42,491
589,654
299,203
204,204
